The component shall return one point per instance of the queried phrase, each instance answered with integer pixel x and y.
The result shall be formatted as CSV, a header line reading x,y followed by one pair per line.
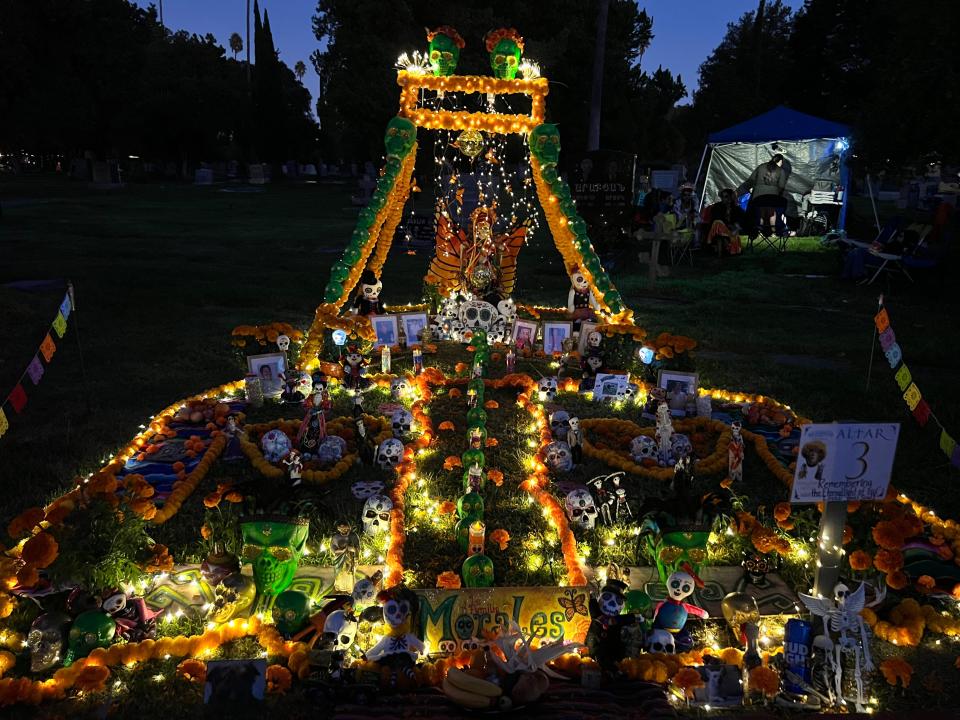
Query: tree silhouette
x,y
299,70
236,44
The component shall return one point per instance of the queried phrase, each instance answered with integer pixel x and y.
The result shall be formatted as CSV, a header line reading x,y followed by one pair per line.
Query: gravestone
x,y
203,176
258,174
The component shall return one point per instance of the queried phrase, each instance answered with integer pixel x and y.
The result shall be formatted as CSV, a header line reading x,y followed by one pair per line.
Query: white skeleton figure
x,y
664,433
842,615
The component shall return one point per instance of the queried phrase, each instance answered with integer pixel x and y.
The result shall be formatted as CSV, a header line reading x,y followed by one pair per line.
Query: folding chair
x,y
681,245
890,263
770,241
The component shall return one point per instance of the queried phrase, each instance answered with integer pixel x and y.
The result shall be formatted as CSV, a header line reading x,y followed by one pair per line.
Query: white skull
x,y
680,445
507,308
399,388
840,593
558,457
594,339
477,314
661,641
547,388
362,489
364,593
395,612
581,510
643,447
574,423
376,514
559,424
680,586
611,603
339,630
628,394
497,333
389,453
283,342
402,422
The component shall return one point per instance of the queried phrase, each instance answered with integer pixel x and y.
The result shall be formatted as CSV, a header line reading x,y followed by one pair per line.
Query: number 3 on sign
x,y
862,459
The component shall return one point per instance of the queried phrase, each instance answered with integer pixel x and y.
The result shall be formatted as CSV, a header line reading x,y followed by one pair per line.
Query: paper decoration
x,y
922,412
18,398
887,339
4,423
904,378
894,355
35,370
66,306
912,396
60,325
882,320
947,443
48,348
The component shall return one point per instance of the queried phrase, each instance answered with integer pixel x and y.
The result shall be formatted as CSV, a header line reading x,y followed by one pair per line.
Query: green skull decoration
x,y
291,610
399,139
92,629
444,49
477,571
545,144
274,546
505,46
470,505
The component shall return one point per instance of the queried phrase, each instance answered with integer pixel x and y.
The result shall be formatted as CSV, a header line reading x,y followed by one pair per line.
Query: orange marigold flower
x,y
212,500
27,576
781,511
205,532
451,462
786,524
7,661
726,483
847,535
447,507
58,513
887,535
144,507
746,523
448,580
92,678
909,525
888,560
24,522
234,496
501,537
7,604
765,680
492,442
897,580
279,679
860,560
460,367
926,582
40,550
897,668
446,425
193,670
495,476
455,393
491,404
688,679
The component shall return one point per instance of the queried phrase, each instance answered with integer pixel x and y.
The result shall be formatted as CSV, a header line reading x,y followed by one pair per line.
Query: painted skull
x,y
376,514
680,446
400,136
46,640
558,457
547,388
581,508
274,547
275,445
290,611
661,641
444,50
504,46
470,505
402,422
399,388
477,571
680,586
545,144
91,629
283,342
365,591
594,339
232,597
331,449
339,630
507,308
362,489
560,424
114,602
611,603
371,291
477,314
389,453
643,447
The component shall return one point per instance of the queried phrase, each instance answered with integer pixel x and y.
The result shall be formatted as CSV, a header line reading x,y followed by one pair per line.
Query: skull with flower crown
x,y
505,46
444,49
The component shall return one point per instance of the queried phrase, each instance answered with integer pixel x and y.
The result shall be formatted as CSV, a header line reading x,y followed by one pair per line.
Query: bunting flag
x,y
912,396
17,399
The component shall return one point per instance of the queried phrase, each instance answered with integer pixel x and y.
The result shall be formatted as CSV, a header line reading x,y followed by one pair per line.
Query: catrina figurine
x,y
399,649
581,302
367,301
604,637
353,363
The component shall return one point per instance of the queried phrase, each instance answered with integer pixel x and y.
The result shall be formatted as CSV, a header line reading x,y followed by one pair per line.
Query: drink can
x,y
797,643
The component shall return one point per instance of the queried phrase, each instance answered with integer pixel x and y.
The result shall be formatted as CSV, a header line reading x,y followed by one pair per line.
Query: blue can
x,y
797,643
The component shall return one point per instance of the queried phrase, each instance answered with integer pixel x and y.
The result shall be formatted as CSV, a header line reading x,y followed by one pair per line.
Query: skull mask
x,y
283,342
376,514
680,446
581,508
558,457
476,314
547,388
661,641
402,422
399,388
339,631
232,597
545,144
389,453
362,489
46,640
560,424
274,546
643,447
290,611
680,586
91,629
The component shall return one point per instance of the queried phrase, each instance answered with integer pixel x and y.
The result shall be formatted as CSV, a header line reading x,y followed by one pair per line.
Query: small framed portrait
x,y
387,329
610,386
524,333
585,329
681,390
235,683
554,333
270,368
413,326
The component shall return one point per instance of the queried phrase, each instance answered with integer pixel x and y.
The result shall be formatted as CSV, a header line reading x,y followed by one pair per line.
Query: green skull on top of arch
x,y
274,546
505,46
444,49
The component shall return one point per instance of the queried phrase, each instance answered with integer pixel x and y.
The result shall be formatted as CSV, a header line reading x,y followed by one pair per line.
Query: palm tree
x,y
300,70
236,44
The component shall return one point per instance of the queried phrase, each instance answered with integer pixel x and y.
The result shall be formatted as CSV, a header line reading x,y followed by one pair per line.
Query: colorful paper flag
x,y
921,412
894,355
887,339
4,423
904,378
66,307
912,396
18,398
60,325
947,443
48,348
35,370
882,320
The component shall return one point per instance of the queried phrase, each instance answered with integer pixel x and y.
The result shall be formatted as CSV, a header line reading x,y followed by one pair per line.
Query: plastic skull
x,y
680,446
400,136
477,571
477,314
339,630
291,610
643,447
558,457
507,309
402,422
545,144
444,49
274,545
276,445
661,641
91,629
547,388
680,586
560,424
362,489
283,342
399,388
581,508
376,514
46,640
389,453
331,449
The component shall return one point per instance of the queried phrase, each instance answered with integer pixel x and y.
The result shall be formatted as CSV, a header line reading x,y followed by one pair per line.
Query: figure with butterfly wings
x,y
841,616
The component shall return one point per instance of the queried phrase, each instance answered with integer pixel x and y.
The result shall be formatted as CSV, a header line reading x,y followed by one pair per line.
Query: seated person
x,y
725,219
685,207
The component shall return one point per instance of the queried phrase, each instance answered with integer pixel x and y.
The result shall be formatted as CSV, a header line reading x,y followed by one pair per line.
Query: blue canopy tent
x,y
814,150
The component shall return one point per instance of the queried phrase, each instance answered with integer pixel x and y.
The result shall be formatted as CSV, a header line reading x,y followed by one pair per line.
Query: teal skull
x,y
91,629
274,546
545,144
400,136
477,571
290,611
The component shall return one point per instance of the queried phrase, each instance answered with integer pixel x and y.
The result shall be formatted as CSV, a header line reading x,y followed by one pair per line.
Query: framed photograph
x,y
610,386
235,683
524,333
585,329
413,326
554,333
680,387
269,367
387,329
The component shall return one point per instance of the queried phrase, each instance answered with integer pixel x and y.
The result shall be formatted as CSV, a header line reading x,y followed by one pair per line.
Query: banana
x,y
467,699
473,684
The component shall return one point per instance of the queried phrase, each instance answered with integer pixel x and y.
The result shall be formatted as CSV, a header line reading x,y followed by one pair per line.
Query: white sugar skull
x,y
547,388
661,641
594,339
283,342
560,424
477,314
681,446
402,422
611,603
680,586
558,457
376,514
389,453
581,510
643,447
331,449
507,308
396,612
840,593
399,388
362,489
365,591
339,631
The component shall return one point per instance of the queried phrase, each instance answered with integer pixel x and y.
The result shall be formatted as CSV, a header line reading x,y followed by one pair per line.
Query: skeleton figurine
x,y
735,453
575,440
294,465
604,638
664,434
345,545
581,302
367,301
841,616
397,652
135,621
671,614
353,364
613,504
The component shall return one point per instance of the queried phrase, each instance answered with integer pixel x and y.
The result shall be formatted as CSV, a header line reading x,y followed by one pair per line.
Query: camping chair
x,y
891,263
681,245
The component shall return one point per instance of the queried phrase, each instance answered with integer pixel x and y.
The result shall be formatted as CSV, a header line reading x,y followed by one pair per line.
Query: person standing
x,y
766,186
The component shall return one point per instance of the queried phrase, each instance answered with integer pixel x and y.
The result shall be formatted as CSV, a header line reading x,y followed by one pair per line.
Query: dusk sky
x,y
685,31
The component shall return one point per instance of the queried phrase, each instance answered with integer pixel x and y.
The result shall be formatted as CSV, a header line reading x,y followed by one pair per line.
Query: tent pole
x,y
873,203
845,181
696,182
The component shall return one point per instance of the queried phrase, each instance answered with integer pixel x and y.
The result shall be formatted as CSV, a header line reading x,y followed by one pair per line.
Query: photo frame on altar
x,y
610,386
524,333
680,387
413,326
585,329
554,333
269,367
387,329
232,683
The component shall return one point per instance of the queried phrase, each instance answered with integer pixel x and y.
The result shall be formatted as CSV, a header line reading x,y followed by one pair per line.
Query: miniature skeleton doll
x,y
664,434
581,302
367,301
604,639
232,429
294,465
345,545
575,440
591,364
397,652
353,364
735,453
671,614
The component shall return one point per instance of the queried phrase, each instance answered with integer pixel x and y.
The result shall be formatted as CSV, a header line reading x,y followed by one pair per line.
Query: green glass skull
x,y
444,54
505,59
291,610
473,457
477,571
470,505
477,417
479,338
91,629
545,144
274,547
400,137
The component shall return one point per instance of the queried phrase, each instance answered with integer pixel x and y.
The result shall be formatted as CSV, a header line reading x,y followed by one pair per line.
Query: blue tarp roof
x,y
781,123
